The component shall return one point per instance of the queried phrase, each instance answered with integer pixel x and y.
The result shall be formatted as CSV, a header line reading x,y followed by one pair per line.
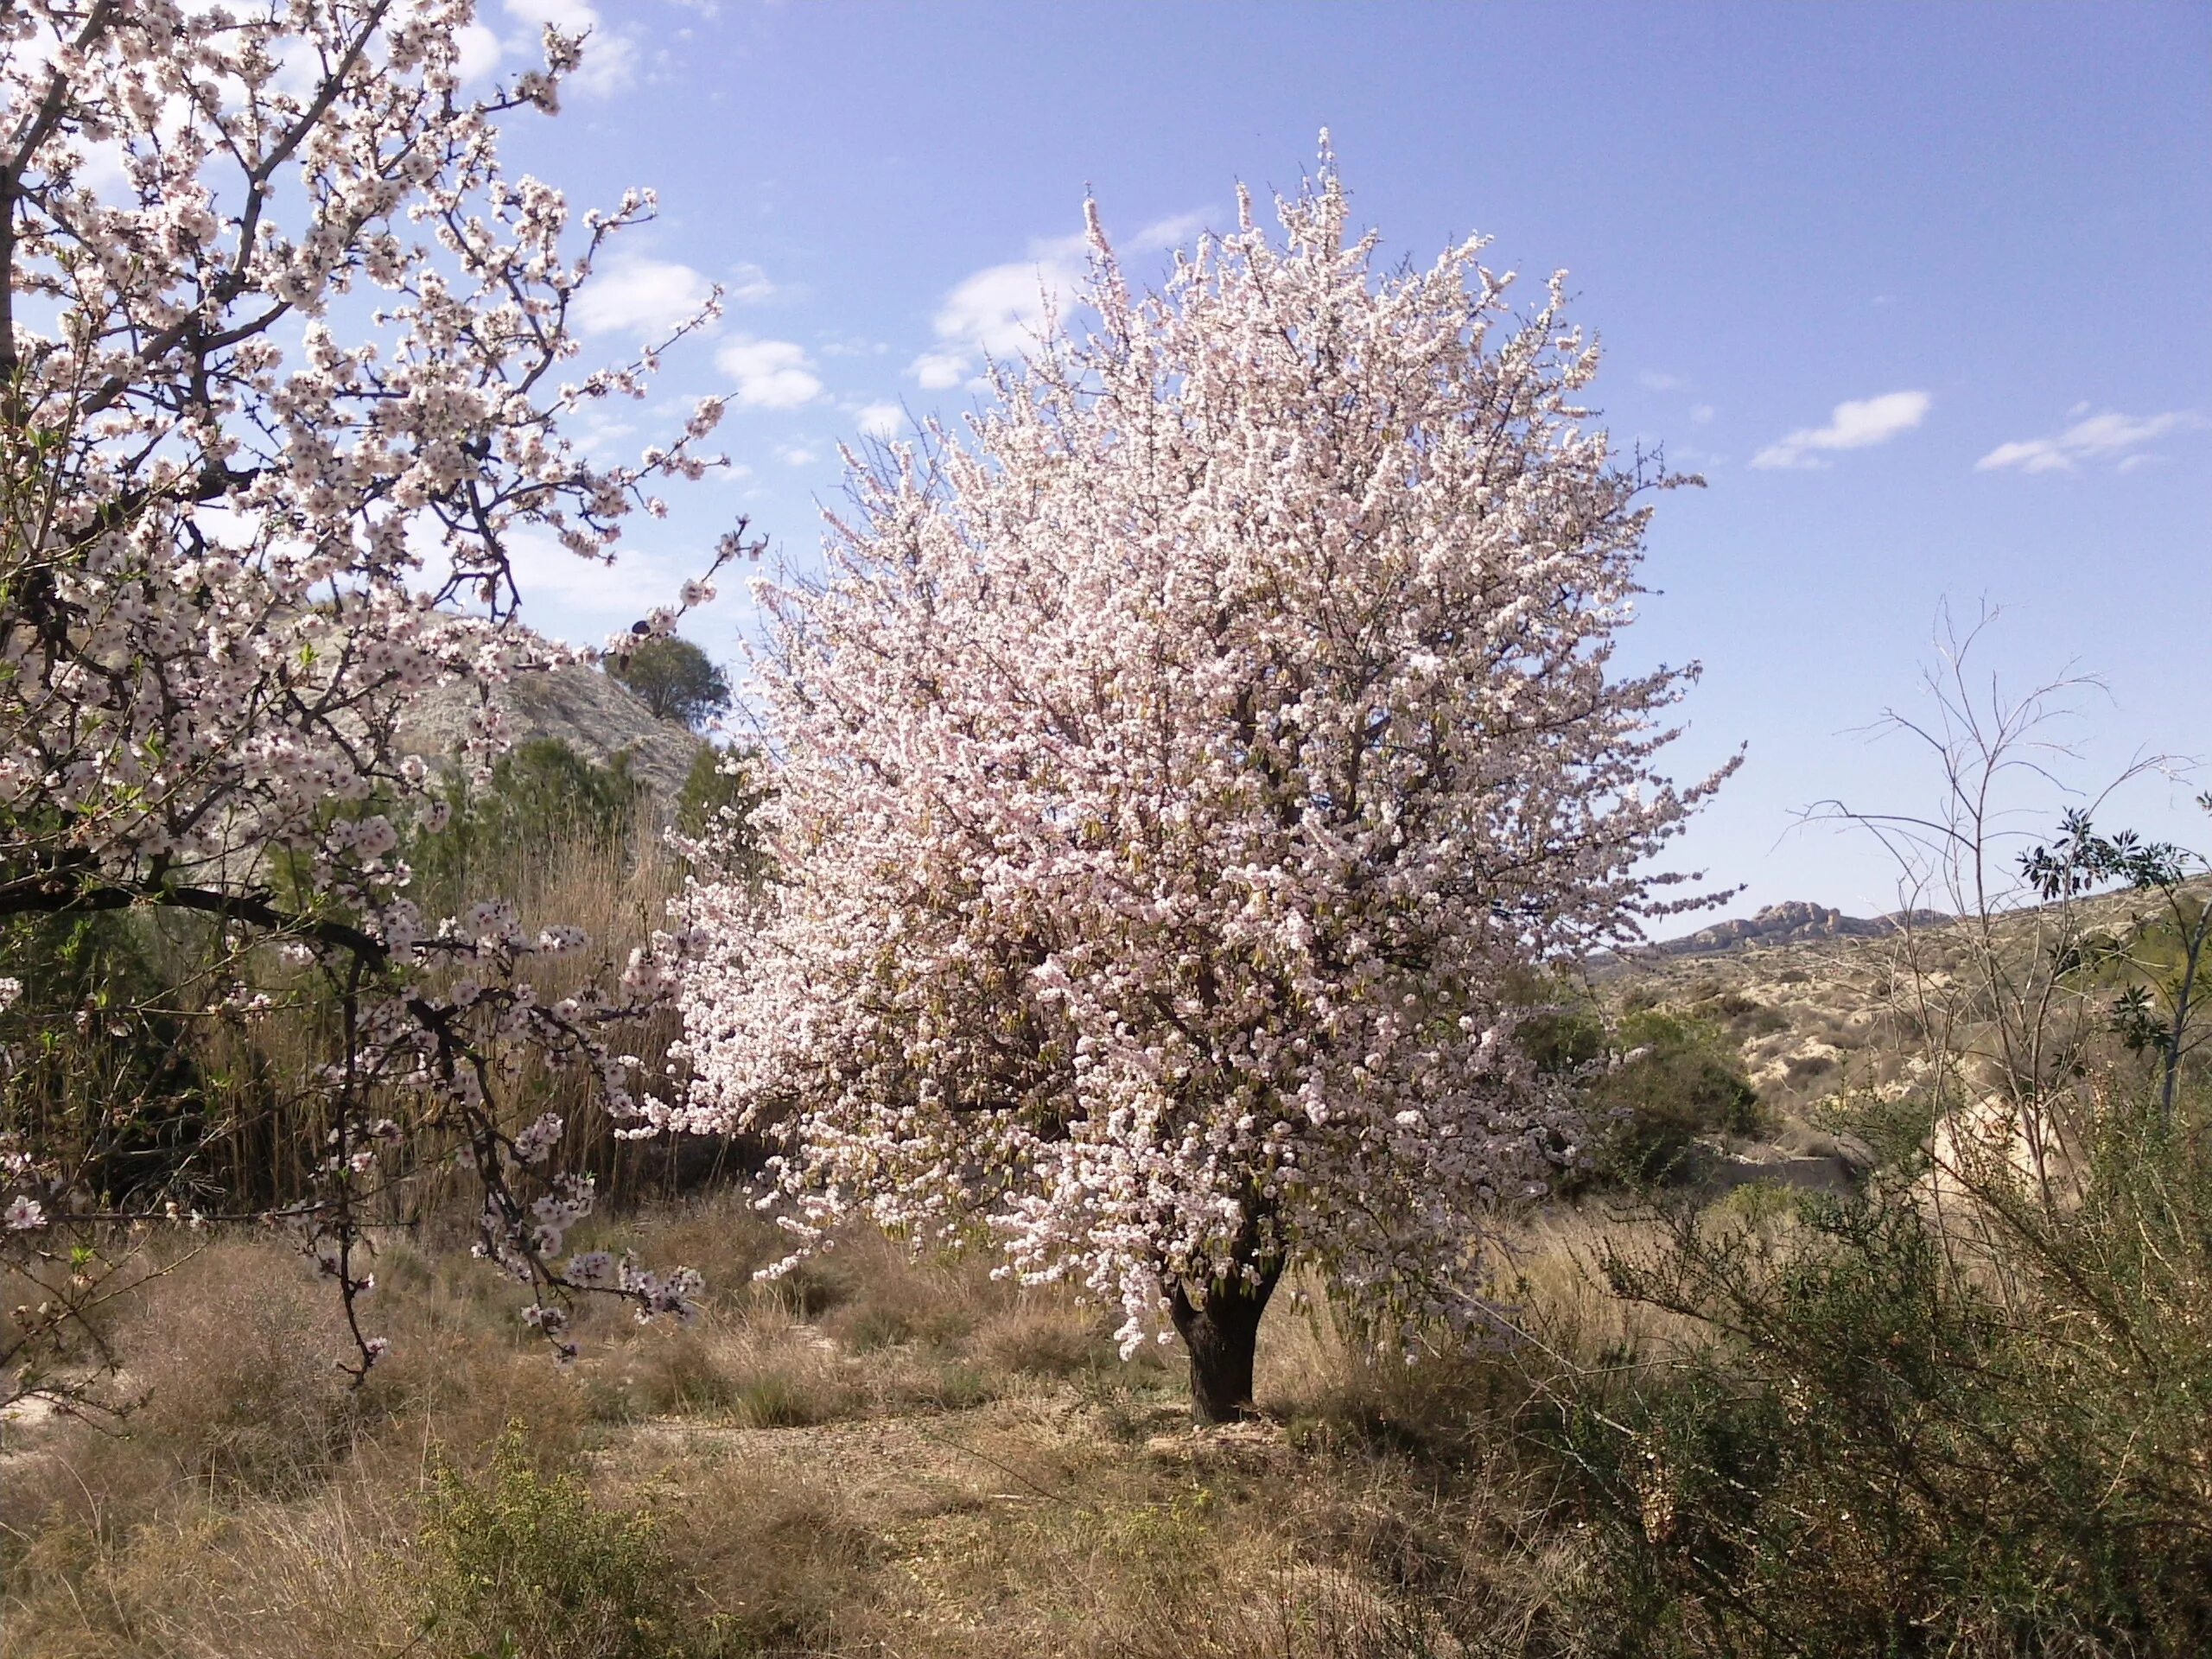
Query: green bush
x,y
97,1062
723,791
675,679
1678,1079
1905,1439
542,793
518,1563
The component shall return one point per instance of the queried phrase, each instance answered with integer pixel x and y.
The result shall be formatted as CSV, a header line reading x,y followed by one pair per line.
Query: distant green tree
x,y
1677,1079
676,679
1650,1082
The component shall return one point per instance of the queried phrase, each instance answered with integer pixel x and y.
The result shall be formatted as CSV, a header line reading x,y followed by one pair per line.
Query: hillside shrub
x,y
675,679
1914,1430
1677,1079
542,793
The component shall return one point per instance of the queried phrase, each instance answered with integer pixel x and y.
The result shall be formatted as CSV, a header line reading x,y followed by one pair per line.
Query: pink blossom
x,y
1183,764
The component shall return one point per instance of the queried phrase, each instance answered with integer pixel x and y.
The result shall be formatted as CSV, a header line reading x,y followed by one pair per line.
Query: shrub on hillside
x,y
1649,1087
522,1561
541,793
675,679
1908,1436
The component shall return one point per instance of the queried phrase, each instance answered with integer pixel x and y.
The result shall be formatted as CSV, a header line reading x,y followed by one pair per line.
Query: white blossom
x,y
1180,766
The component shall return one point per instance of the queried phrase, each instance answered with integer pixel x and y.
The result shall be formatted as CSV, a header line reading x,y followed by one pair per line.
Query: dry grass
x,y
885,1455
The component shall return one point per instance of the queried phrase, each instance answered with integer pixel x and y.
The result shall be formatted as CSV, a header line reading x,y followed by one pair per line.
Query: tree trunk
x,y
1222,1336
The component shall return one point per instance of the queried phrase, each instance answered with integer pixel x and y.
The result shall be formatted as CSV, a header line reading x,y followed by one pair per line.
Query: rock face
x,y
597,716
1791,923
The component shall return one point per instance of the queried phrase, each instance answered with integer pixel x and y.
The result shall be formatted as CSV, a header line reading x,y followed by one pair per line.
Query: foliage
x,y
1907,1436
676,680
1175,772
540,793
86,1023
2152,1013
517,1562
1962,1411
1677,1079
1648,1084
296,337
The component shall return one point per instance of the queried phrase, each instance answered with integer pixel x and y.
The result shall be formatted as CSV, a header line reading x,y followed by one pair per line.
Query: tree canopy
x,y
1177,767
676,680
284,374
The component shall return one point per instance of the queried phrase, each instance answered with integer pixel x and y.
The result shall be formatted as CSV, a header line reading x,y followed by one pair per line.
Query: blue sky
x,y
1925,291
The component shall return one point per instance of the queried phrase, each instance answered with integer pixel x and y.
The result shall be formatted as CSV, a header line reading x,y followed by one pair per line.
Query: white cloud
x,y
563,594
477,51
1173,231
2109,437
749,284
646,297
604,432
879,420
1854,425
797,454
583,601
1001,311
770,373
610,61
1701,414
105,174
570,16
937,370
1651,380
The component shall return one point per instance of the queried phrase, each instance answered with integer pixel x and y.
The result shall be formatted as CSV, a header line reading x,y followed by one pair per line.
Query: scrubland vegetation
x,y
1889,1419
1107,1134
1787,1426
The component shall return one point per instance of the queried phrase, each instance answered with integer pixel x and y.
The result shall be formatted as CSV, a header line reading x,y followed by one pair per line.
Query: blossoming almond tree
x,y
282,357
1176,772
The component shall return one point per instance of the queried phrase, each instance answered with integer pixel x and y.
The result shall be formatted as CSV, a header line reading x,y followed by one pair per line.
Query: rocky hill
x,y
1790,923
597,716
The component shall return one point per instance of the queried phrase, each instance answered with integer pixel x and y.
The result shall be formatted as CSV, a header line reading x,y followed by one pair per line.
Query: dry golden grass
x,y
882,1455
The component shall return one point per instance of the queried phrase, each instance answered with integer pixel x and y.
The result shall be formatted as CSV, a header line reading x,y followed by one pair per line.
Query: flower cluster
x,y
1180,766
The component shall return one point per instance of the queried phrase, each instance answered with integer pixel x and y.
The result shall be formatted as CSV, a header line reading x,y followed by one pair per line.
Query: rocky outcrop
x,y
1792,923
597,716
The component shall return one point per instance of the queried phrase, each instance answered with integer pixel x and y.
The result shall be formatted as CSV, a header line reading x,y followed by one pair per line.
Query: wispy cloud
x,y
478,50
2110,436
769,374
1856,425
1176,231
797,454
879,420
1001,311
748,284
646,297
940,371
